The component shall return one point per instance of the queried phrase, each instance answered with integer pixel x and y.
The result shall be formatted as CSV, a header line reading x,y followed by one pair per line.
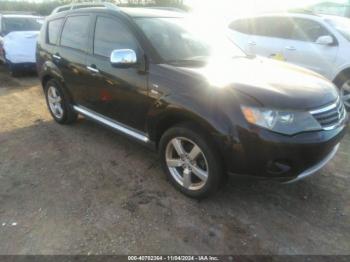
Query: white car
x,y
18,37
317,42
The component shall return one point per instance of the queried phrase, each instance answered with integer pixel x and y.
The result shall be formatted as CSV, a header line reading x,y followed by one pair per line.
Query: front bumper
x,y
264,154
312,170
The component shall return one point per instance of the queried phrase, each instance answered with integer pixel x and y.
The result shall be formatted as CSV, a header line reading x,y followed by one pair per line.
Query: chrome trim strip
x,y
110,123
317,167
325,109
92,69
341,121
338,103
56,57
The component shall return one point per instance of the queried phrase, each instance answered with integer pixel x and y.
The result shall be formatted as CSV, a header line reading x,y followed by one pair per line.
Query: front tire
x,y
344,87
59,104
191,161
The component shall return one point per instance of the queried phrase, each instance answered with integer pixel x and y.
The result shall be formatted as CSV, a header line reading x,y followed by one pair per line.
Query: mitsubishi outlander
x,y
162,79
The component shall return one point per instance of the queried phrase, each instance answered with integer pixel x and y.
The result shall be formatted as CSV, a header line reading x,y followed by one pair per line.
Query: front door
x,y
301,48
118,93
269,35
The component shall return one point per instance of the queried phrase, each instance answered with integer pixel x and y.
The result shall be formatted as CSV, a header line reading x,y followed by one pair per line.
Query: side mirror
x,y
123,58
325,40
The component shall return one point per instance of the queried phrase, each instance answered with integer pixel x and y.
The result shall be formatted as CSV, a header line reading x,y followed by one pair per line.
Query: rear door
x,y
241,34
70,55
269,34
301,47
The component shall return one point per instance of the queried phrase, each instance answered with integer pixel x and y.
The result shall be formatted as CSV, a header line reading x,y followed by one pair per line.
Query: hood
x,y
272,83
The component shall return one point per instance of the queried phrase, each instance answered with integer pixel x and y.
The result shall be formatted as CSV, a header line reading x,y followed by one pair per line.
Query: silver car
x,y
318,42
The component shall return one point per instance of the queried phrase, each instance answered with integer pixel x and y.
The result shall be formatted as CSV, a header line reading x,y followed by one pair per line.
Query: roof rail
x,y
64,8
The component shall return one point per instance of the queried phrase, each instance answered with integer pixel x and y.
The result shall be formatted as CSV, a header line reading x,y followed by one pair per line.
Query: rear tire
x,y
191,161
59,104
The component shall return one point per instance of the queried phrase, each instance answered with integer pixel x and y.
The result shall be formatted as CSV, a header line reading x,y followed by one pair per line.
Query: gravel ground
x,y
83,189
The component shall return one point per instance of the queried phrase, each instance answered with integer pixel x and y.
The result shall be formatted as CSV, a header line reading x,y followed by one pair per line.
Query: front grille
x,y
331,116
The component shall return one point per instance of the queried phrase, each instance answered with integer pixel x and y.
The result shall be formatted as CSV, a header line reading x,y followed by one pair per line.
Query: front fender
x,y
184,108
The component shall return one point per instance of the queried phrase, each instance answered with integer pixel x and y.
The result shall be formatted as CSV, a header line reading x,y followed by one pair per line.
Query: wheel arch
x,y
342,76
159,124
170,118
51,71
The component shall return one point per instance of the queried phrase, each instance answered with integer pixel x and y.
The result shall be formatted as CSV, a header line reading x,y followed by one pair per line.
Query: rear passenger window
x,y
76,32
111,34
243,26
54,30
273,27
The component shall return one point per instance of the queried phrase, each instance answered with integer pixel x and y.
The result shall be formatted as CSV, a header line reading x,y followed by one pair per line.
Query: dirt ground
x,y
83,189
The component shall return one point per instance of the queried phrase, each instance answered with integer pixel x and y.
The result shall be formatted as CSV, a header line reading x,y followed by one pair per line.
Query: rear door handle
x,y
92,69
56,57
251,43
291,48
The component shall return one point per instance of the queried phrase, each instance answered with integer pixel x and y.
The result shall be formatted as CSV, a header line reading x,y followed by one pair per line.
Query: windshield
x,y
182,40
342,25
11,24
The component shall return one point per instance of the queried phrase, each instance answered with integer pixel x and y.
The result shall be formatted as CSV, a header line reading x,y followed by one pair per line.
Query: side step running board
x,y
111,123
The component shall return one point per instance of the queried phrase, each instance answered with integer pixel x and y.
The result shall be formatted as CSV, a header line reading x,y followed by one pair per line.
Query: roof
x,y
131,11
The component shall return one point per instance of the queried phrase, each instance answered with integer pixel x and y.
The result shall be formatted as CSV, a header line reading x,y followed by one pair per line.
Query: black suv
x,y
164,80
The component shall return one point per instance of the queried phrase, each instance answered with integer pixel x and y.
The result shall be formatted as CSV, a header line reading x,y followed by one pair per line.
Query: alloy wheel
x,y
187,163
345,93
55,102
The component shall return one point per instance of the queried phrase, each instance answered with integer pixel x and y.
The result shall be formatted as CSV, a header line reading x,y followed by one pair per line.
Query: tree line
x,y
46,7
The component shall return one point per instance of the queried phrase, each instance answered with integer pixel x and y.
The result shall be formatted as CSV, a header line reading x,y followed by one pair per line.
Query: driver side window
x,y
111,34
308,30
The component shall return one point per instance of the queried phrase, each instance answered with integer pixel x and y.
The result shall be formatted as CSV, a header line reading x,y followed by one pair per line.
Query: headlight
x,y
283,122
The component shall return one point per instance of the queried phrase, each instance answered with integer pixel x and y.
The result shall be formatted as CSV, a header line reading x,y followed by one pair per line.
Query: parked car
x,y
207,107
317,42
18,36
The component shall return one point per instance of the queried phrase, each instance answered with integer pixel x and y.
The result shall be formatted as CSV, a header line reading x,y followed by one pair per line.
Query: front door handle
x,y
92,69
291,48
251,43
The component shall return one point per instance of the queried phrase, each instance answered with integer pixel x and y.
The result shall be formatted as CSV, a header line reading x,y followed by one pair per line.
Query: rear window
x,y
75,32
54,30
11,24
